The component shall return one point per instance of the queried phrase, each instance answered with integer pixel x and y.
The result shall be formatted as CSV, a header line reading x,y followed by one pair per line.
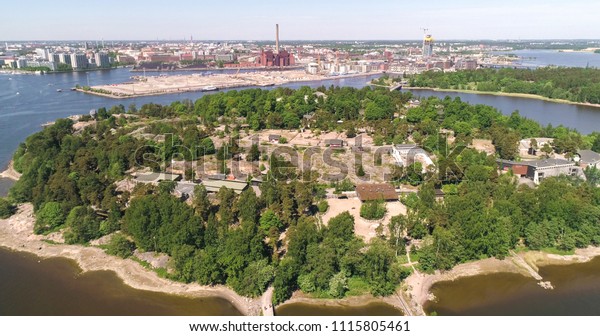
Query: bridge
x,y
396,87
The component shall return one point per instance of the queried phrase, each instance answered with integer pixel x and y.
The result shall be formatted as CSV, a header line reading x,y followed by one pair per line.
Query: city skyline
x,y
308,20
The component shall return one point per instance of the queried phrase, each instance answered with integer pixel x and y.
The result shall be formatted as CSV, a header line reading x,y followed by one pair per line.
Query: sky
x,y
299,19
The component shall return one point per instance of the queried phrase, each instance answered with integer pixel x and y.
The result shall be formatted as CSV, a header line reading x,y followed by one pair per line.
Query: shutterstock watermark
x,y
328,163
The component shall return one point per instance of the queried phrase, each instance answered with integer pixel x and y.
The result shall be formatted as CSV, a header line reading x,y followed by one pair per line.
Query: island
x,y
267,197
558,84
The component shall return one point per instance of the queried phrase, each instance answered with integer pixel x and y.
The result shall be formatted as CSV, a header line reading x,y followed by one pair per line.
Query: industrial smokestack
x,y
277,37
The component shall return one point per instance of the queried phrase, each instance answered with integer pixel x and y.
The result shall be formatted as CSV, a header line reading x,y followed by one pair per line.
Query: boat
x,y
58,90
210,88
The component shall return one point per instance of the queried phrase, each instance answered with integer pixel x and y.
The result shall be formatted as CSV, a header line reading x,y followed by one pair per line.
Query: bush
x,y
338,285
7,209
120,246
306,283
50,216
83,225
323,206
373,210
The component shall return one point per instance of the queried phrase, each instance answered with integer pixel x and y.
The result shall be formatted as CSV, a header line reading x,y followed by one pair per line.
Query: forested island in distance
x,y
85,180
579,85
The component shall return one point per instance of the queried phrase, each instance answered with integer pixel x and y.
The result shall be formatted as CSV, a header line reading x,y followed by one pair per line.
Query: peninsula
x,y
334,193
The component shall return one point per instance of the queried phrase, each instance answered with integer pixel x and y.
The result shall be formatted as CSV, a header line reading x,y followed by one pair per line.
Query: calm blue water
x,y
537,58
28,101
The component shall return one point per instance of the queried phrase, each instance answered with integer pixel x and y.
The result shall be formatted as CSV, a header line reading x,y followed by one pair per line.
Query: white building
x,y
312,68
102,60
21,63
405,155
48,64
42,53
64,58
79,61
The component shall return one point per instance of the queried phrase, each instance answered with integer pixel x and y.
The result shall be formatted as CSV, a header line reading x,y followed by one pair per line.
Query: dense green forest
x,y
574,84
248,242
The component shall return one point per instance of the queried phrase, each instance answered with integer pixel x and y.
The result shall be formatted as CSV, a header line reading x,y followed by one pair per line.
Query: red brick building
x,y
283,58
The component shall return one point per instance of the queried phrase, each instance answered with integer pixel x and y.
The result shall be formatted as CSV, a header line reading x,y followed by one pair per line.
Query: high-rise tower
x,y
427,45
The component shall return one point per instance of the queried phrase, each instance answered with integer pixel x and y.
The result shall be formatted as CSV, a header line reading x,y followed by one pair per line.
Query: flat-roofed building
x,y
588,158
334,143
216,185
155,178
102,60
540,169
79,61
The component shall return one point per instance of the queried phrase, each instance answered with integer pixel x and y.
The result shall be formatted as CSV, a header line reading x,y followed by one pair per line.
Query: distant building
x,y
65,59
54,58
283,58
42,53
102,60
48,64
312,68
428,46
225,57
21,63
378,191
466,64
125,59
540,169
79,61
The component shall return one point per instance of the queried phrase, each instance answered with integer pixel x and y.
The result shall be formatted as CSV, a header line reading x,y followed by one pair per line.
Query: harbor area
x,y
157,85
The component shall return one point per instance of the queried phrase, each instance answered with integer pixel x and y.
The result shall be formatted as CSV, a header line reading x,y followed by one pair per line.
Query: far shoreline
x,y
233,87
506,94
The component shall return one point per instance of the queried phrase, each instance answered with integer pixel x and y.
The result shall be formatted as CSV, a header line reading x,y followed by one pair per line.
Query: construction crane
x,y
425,30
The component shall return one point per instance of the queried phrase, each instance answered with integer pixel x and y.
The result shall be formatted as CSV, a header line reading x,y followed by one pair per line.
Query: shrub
x,y
7,209
120,246
83,225
338,285
323,206
373,210
49,217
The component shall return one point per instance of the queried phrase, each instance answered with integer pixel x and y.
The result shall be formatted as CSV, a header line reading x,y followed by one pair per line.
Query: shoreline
x,y
353,301
10,172
418,285
219,88
505,94
16,233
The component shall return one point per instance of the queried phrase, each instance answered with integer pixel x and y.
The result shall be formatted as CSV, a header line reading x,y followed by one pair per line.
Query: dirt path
x,y
266,302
